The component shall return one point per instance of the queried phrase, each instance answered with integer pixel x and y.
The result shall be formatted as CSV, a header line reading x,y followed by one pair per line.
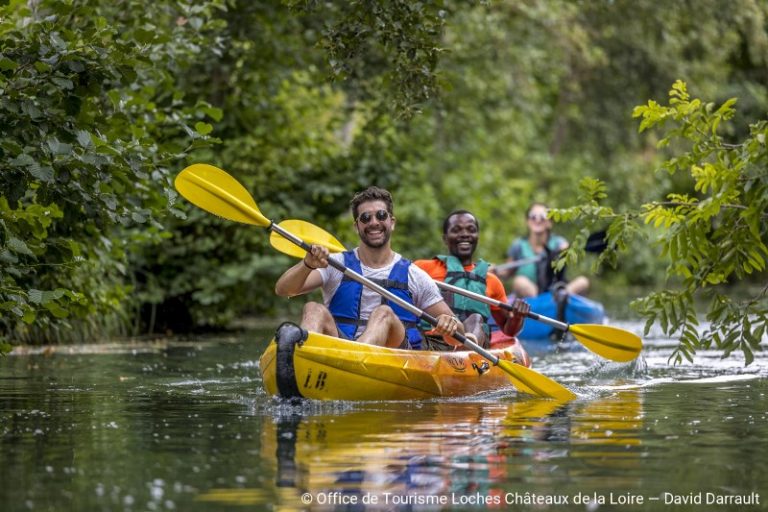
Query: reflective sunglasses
x,y
541,217
366,217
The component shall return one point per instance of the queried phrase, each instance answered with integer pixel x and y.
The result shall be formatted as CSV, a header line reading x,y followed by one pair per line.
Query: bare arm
x,y
500,316
516,318
503,273
303,277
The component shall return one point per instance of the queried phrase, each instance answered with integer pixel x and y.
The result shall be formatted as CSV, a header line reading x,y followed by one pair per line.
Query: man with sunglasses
x,y
353,311
543,247
461,234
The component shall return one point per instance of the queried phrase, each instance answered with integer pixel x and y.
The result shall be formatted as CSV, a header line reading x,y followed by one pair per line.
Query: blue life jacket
x,y
345,303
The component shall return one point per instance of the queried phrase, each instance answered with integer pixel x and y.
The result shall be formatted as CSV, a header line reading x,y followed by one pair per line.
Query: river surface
x,y
176,425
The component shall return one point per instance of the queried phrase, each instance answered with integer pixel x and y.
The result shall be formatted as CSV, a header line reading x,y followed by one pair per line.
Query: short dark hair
x,y
459,212
372,193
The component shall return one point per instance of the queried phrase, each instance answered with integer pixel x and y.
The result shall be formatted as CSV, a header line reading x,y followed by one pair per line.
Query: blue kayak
x,y
578,310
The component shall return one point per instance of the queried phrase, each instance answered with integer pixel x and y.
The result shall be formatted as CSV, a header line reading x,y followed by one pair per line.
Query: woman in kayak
x,y
539,249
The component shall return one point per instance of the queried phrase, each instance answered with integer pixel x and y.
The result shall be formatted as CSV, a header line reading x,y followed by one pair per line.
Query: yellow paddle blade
x,y
610,342
307,232
217,192
532,382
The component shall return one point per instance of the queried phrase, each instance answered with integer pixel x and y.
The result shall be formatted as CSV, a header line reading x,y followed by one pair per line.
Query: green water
x,y
187,426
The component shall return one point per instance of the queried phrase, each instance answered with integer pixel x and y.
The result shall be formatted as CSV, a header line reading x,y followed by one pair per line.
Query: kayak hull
x,y
301,364
578,310
540,338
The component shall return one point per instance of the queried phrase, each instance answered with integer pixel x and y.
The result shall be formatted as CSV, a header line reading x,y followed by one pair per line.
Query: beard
x,y
380,241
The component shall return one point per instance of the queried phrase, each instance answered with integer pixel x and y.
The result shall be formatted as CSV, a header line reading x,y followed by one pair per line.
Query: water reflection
x,y
439,454
190,428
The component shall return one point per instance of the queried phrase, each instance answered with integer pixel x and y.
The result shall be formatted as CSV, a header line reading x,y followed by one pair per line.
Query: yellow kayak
x,y
301,364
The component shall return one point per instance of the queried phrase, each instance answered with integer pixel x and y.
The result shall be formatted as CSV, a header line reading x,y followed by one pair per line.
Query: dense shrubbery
x,y
712,235
94,126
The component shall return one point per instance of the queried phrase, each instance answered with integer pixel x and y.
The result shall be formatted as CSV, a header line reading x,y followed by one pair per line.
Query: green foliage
x,y
485,106
718,235
622,231
93,123
714,234
382,51
289,139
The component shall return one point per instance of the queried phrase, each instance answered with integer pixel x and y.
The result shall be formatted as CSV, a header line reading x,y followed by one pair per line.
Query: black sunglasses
x,y
366,217
537,216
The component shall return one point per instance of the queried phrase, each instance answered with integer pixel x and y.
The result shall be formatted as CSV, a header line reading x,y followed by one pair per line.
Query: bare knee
x,y
578,286
381,313
474,324
524,287
314,309
384,328
316,317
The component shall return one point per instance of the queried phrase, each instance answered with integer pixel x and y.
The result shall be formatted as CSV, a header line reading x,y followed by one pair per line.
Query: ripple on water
x,y
192,429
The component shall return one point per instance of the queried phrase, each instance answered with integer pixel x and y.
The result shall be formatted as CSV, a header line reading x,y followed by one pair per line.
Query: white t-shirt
x,y
423,289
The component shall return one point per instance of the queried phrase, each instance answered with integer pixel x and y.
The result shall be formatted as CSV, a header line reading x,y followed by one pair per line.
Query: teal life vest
x,y
540,272
473,281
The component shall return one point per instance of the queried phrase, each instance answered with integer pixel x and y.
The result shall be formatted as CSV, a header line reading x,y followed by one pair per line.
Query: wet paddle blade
x,y
307,232
217,192
610,342
531,382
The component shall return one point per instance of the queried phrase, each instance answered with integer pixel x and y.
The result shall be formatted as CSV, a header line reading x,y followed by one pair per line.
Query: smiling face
x,y
373,229
461,236
537,219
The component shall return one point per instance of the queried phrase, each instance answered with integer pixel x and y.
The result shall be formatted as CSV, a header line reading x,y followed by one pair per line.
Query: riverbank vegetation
x,y
485,106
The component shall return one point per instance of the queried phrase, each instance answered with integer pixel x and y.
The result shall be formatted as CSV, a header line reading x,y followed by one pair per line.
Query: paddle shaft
x,y
493,302
605,341
250,211
518,263
385,293
595,243
215,191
